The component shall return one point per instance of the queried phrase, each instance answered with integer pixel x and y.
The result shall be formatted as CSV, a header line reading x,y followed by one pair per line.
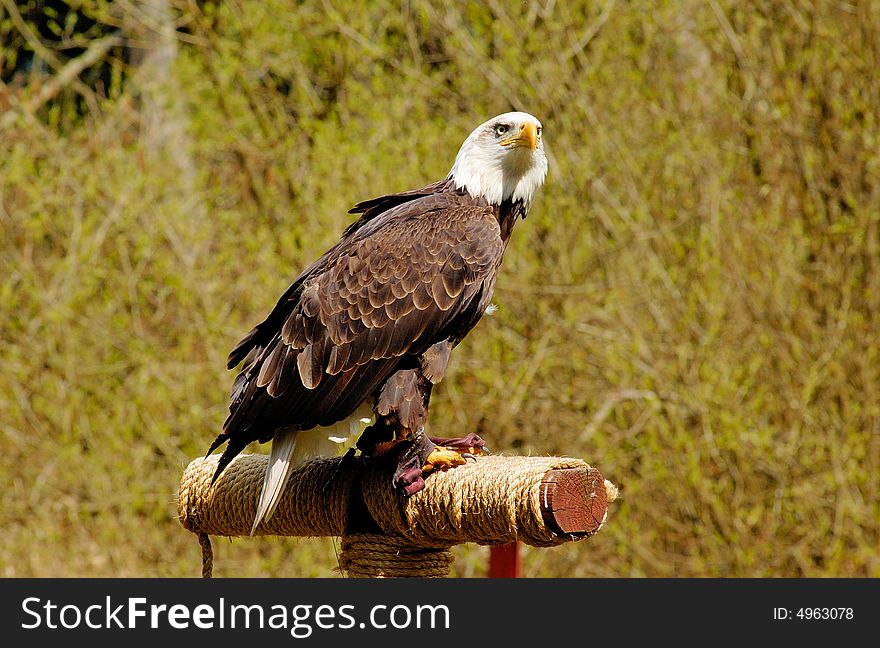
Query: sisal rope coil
x,y
494,500
229,506
368,555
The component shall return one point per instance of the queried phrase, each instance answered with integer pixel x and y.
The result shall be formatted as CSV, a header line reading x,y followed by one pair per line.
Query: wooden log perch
x,y
541,501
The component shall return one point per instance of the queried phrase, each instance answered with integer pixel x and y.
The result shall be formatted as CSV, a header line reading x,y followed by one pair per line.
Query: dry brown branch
x,y
67,75
47,54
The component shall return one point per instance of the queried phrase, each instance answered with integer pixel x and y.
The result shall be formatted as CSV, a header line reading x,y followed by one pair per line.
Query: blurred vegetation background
x,y
693,304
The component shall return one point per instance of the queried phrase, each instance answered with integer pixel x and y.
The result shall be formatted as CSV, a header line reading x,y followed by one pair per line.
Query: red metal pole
x,y
504,561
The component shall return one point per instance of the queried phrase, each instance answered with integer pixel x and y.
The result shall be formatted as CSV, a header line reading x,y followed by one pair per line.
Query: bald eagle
x,y
367,329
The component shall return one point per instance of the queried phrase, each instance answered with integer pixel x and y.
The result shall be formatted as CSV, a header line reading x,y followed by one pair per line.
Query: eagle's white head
x,y
503,159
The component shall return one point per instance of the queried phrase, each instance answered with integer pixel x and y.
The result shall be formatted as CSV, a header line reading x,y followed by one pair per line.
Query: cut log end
x,y
574,501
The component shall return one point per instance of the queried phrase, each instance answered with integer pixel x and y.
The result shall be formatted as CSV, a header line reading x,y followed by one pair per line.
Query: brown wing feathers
x,y
392,287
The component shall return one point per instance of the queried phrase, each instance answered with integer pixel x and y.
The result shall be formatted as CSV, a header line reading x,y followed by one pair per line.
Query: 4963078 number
x,y
824,613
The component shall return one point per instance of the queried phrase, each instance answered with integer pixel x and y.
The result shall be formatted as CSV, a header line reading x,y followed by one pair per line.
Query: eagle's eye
x,y
501,129
539,130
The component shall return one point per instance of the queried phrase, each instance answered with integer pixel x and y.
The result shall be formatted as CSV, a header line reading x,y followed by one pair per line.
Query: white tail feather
x,y
277,472
291,448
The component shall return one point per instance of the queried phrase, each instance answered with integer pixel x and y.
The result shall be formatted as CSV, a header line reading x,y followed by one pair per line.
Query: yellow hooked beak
x,y
527,136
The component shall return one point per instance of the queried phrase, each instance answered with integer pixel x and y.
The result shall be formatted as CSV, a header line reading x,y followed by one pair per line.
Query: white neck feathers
x,y
486,170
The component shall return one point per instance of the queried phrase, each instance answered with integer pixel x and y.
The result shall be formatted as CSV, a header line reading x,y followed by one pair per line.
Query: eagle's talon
x,y
468,455
442,459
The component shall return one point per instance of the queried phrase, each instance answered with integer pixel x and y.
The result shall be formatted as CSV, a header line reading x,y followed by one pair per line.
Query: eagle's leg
x,y
422,455
412,456
386,441
399,431
447,453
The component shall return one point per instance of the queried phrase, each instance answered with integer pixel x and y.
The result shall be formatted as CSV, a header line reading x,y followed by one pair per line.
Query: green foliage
x,y
693,304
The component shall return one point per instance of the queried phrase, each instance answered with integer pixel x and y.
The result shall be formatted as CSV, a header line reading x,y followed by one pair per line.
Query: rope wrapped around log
x,y
541,501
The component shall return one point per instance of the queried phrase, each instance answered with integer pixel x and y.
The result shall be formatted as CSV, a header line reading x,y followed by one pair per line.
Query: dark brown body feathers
x,y
374,318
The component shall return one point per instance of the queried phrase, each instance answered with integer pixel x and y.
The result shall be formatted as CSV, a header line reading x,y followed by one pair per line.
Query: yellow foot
x,y
441,459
